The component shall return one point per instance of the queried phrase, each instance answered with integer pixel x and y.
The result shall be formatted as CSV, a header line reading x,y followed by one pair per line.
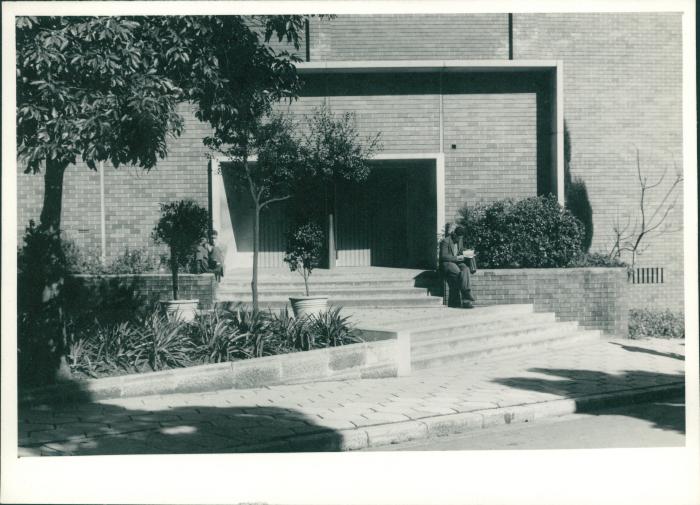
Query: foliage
x,y
596,260
156,342
532,233
334,149
182,226
216,337
656,323
330,329
105,88
162,343
304,250
81,261
133,261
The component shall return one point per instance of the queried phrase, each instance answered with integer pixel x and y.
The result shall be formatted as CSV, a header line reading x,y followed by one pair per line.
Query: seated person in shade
x,y
454,265
216,258
201,258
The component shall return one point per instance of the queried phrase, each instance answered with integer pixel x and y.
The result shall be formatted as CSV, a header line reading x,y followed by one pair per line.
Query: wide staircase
x,y
445,336
374,287
410,301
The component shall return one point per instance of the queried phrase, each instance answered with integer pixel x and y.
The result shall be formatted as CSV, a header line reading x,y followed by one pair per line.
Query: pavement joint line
x,y
508,415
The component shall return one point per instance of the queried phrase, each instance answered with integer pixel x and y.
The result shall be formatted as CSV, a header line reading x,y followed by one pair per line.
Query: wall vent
x,y
646,275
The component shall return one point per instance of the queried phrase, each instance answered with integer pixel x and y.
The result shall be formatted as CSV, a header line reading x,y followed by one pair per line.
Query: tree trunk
x,y
256,250
50,218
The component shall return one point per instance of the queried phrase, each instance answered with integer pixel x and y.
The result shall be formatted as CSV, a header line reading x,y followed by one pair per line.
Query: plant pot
x,y
303,306
184,310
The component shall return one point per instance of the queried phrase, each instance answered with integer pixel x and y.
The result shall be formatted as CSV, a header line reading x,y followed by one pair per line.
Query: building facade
x,y
471,108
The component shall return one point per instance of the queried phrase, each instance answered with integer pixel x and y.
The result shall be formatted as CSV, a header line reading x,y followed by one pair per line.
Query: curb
x,y
450,424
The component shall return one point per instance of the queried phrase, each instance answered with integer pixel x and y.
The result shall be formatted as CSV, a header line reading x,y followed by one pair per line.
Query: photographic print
x,y
382,231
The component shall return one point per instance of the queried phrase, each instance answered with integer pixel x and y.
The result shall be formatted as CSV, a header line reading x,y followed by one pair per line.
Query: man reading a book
x,y
454,263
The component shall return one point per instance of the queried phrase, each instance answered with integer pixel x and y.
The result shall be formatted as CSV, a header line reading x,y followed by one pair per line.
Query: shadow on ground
x,y
578,383
633,348
89,428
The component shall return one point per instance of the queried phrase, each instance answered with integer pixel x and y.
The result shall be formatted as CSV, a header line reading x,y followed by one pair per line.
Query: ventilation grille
x,y
646,275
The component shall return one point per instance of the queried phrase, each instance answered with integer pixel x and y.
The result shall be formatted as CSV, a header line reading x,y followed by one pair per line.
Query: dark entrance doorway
x,y
390,220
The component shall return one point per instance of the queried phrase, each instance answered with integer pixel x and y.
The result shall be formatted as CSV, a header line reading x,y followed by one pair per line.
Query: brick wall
x,y
622,89
595,297
158,286
132,195
409,37
491,120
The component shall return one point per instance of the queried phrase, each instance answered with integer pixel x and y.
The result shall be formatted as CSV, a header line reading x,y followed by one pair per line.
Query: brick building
x,y
471,107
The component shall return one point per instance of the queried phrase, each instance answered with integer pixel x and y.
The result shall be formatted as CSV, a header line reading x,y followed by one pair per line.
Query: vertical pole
x,y
307,33
210,200
510,36
103,232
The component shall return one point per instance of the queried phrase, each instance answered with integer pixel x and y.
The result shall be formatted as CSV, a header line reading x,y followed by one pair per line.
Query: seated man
x,y
201,258
216,258
455,266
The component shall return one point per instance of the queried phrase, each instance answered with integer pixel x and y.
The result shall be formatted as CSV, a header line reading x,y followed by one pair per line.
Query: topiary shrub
x,y
532,233
182,226
304,249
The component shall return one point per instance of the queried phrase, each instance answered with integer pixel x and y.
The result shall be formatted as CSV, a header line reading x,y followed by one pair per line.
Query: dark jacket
x,y
449,250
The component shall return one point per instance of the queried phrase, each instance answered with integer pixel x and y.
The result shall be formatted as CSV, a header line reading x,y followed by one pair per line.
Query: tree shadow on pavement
x,y
633,348
90,428
577,384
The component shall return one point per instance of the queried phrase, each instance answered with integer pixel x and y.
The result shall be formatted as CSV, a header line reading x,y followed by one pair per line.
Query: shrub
x,y
656,323
81,261
133,261
182,226
162,342
304,250
596,260
531,233
329,329
156,342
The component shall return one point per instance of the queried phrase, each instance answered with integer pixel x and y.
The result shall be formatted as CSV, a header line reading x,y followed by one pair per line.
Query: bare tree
x,y
651,220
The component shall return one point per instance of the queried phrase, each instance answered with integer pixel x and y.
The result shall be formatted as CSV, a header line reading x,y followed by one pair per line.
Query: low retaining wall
x,y
153,286
598,298
375,359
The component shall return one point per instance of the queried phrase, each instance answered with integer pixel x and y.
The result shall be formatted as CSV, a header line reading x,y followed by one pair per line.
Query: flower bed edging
x,y
376,358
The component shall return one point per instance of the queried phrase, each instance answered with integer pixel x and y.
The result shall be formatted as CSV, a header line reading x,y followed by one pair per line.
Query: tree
x,y
106,89
182,226
275,174
335,152
651,221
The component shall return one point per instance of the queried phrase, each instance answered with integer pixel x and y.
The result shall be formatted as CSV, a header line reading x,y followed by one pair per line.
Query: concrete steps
x,y
495,331
349,287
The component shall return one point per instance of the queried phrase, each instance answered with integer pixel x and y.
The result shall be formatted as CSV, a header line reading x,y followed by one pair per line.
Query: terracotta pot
x,y
303,306
184,310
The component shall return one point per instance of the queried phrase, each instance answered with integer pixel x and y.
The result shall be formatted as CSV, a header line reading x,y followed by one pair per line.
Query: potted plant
x,y
304,249
182,226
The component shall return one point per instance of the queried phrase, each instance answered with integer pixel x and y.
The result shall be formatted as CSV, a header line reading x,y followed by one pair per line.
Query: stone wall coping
x,y
377,358
150,275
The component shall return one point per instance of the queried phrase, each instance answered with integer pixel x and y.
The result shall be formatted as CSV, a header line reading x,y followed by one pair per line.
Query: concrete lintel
x,y
376,66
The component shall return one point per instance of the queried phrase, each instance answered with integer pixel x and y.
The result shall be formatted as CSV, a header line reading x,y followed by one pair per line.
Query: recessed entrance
x,y
390,220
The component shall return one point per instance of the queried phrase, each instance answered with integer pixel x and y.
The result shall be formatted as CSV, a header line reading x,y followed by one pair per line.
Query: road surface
x,y
656,424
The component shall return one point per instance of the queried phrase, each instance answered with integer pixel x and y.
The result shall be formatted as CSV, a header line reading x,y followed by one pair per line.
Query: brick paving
x,y
344,415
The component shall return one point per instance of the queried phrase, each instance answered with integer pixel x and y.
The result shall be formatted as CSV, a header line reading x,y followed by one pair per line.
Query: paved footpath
x,y
355,414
